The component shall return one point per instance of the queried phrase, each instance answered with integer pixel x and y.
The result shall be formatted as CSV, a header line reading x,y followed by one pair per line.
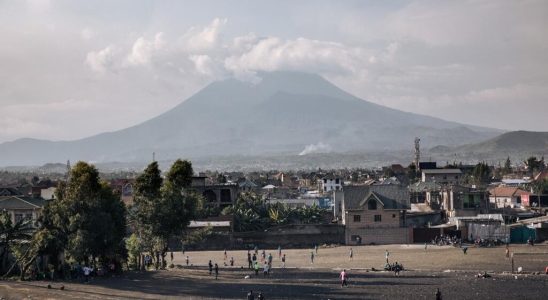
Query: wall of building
x,y
400,235
389,218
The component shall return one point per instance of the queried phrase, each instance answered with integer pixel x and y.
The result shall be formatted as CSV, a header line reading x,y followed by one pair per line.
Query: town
x,y
456,205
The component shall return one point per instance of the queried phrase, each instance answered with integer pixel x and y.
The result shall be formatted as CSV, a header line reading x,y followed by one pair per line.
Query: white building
x,y
329,184
442,176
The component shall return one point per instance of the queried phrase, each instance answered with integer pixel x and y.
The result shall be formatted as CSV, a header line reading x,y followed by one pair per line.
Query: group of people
x,y
445,240
266,261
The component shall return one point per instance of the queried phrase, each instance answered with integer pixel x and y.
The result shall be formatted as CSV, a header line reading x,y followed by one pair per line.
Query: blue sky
x,y
71,69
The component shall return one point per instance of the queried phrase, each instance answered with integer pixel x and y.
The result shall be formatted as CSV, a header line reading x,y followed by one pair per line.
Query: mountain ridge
x,y
283,112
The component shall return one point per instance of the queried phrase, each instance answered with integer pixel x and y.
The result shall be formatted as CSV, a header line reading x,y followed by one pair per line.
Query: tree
x,y
164,208
507,166
12,234
534,164
481,173
86,221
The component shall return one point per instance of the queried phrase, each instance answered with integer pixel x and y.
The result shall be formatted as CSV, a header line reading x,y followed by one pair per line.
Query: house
x,y
48,193
247,186
458,201
442,176
374,214
22,207
9,191
329,184
507,196
217,195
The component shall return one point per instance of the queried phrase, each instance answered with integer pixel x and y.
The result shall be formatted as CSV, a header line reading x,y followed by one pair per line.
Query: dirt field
x,y
446,268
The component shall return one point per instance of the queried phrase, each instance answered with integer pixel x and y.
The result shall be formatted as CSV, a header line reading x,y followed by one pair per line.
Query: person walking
x,y
232,261
425,247
386,255
343,278
316,248
216,271
283,261
254,258
210,267
270,260
351,256
187,260
311,257
225,255
279,251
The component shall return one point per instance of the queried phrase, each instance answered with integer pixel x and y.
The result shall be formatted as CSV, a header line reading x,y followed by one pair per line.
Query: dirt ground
x,y
446,268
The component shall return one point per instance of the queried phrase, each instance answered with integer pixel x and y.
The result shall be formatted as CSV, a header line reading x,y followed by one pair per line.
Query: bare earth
x,y
446,268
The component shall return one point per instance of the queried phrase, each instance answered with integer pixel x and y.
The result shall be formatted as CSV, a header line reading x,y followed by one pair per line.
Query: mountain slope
x,y
527,142
283,113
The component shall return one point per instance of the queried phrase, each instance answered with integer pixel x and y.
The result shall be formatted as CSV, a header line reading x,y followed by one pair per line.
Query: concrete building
x,y
506,196
329,184
374,214
442,176
218,195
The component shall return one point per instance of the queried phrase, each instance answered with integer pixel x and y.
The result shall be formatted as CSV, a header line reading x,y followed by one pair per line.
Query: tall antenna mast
x,y
153,156
417,152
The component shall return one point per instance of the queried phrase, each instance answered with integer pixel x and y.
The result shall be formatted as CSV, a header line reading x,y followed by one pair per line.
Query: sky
x,y
71,69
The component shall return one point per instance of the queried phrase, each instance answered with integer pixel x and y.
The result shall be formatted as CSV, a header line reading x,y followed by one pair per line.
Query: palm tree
x,y
12,234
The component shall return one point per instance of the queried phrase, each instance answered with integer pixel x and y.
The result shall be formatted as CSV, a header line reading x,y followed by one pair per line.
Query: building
x,y
458,201
217,195
374,214
507,196
442,176
329,184
22,207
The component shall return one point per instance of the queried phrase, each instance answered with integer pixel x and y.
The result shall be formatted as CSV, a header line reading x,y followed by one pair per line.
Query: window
x,y
337,181
372,204
393,215
378,218
357,218
325,181
18,217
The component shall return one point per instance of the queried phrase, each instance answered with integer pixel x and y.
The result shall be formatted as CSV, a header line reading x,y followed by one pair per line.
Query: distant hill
x,y
517,144
285,113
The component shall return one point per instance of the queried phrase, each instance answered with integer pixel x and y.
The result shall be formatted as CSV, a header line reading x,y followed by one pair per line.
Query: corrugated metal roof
x,y
391,196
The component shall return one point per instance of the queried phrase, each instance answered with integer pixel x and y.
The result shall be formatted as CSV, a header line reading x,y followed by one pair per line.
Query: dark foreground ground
x,y
303,280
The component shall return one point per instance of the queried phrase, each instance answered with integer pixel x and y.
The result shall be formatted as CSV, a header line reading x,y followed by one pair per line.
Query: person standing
x,y
260,296
283,261
351,257
225,255
171,256
316,248
249,262
343,278
87,272
386,255
311,257
254,259
256,266
250,295
210,267
270,260
425,247
507,252
216,271
232,261
187,260
265,269
279,251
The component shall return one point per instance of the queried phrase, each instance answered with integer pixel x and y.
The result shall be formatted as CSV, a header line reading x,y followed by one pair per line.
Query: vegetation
x,y
252,213
163,208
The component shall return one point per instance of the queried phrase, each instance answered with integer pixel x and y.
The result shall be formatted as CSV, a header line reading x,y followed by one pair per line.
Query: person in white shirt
x,y
87,272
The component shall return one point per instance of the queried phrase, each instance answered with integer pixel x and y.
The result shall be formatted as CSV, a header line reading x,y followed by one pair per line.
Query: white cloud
x,y
100,61
197,40
143,49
